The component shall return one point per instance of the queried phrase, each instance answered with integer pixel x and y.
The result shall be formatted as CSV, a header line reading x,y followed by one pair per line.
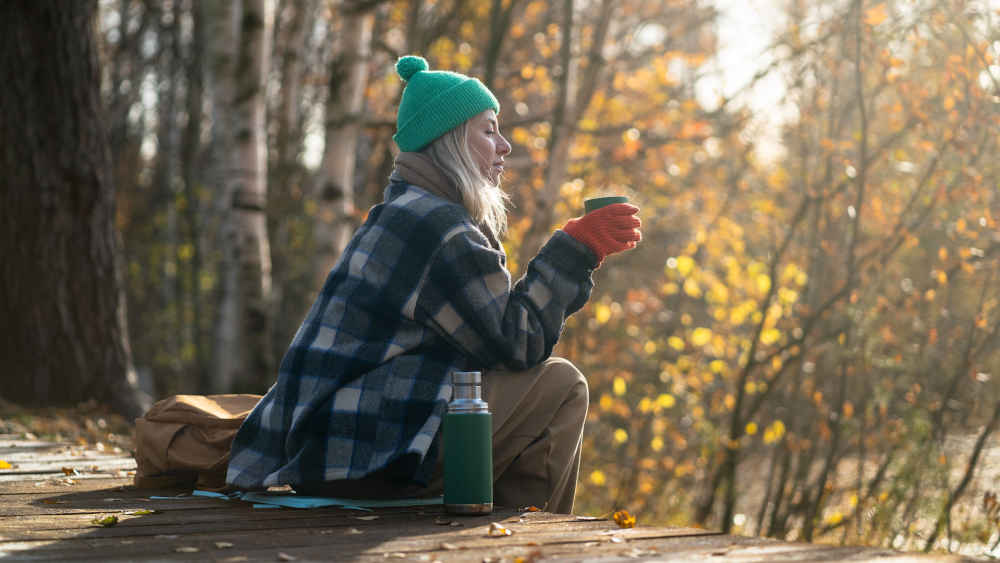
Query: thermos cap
x,y
467,378
467,392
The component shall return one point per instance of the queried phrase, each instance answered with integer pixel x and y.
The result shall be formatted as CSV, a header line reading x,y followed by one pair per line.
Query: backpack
x,y
184,440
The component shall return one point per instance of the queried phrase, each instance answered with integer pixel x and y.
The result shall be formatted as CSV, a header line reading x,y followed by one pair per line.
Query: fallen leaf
x,y
187,549
624,519
372,517
353,531
617,539
448,546
223,544
496,530
282,556
70,471
5,465
106,522
531,508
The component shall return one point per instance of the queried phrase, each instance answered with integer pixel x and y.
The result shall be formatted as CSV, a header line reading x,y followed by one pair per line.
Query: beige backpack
x,y
184,440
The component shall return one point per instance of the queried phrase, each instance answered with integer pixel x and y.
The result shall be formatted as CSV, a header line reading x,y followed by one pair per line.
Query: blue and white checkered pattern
x,y
418,292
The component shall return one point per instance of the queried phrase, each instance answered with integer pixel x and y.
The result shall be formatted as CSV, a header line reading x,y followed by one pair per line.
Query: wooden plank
x,y
49,484
81,465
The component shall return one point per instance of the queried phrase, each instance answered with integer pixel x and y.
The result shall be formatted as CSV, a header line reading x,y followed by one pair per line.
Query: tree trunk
x,y
63,303
335,219
191,176
240,38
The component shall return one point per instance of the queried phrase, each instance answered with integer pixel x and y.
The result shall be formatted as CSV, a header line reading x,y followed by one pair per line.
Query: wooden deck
x,y
52,495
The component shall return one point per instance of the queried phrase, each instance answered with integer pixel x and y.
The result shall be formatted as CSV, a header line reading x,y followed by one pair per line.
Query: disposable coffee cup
x,y
595,203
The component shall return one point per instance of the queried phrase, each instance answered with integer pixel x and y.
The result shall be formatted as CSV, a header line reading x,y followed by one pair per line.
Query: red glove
x,y
610,229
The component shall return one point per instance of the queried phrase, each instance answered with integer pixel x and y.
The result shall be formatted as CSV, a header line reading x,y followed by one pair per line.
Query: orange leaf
x,y
624,519
876,15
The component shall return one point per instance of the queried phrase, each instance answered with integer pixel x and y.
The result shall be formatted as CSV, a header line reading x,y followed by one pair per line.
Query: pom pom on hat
x,y
409,65
435,102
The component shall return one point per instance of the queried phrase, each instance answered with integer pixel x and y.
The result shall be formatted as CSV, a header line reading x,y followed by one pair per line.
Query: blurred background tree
x,y
803,346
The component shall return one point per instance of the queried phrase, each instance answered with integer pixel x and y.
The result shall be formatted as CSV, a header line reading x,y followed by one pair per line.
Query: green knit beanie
x,y
435,102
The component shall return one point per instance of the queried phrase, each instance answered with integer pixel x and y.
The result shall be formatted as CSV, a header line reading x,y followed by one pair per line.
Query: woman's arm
x,y
468,298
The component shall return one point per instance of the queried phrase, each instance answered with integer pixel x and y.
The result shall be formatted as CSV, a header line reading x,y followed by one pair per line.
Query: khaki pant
x,y
538,418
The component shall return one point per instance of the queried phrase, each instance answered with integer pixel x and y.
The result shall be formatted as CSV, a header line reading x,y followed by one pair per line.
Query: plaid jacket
x,y
418,292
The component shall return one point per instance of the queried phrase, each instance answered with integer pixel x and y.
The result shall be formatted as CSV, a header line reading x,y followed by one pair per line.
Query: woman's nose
x,y
504,147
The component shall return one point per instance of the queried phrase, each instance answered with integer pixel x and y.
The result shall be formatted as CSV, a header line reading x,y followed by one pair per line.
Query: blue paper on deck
x,y
268,500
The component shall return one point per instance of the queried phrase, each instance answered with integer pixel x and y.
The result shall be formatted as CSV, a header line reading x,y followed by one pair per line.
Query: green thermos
x,y
468,447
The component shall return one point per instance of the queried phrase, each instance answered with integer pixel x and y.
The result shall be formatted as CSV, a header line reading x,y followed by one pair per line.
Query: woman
x,y
421,290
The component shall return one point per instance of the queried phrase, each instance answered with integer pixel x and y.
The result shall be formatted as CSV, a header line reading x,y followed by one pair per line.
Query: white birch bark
x,y
334,192
240,37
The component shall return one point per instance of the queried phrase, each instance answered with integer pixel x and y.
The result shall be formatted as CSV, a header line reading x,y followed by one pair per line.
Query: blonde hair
x,y
485,202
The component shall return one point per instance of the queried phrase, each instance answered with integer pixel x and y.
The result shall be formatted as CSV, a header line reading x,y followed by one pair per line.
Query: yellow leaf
x,y
701,336
676,343
597,477
621,436
619,386
665,400
602,313
5,465
106,522
692,288
645,405
624,519
656,444
763,283
649,348
770,336
606,402
835,518
876,15
751,428
684,265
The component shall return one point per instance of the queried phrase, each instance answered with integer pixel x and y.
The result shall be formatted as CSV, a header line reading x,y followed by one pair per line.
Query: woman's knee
x,y
564,375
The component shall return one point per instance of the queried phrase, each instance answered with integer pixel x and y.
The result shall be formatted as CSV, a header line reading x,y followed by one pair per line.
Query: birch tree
x,y
348,78
240,43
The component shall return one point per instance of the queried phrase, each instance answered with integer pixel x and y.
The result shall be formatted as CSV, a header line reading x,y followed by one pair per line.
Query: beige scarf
x,y
419,169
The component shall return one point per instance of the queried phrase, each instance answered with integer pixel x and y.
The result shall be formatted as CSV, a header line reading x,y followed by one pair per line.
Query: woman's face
x,y
488,145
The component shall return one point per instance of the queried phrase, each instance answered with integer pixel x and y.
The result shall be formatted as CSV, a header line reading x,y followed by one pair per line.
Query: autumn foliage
x,y
802,346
